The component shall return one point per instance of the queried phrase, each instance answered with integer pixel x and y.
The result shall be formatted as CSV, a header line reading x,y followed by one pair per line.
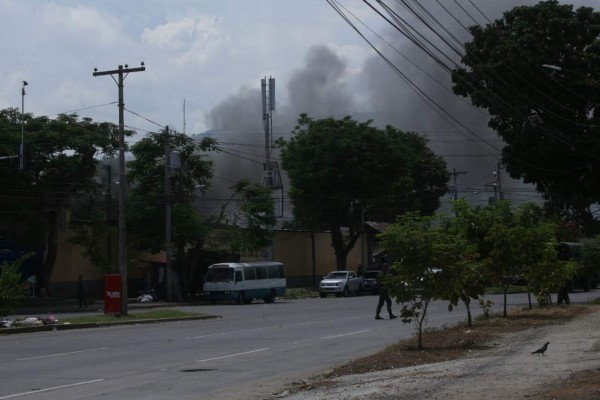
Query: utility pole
x,y
122,185
271,176
498,182
22,151
454,174
168,245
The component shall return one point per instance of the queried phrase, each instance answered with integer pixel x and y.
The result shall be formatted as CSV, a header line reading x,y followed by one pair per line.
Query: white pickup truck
x,y
341,283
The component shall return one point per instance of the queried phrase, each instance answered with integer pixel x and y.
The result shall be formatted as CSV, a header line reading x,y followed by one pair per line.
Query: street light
x,y
22,149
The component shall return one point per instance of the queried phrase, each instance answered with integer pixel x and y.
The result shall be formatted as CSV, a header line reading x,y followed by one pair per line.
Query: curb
x,y
66,327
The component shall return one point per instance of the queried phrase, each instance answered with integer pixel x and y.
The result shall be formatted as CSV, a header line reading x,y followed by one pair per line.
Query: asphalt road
x,y
249,353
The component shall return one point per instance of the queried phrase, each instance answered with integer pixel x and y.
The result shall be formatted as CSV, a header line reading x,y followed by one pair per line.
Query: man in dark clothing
x,y
563,295
384,297
80,293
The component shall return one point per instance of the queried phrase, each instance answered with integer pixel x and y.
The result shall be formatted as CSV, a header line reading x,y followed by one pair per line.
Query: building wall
x,y
70,263
292,248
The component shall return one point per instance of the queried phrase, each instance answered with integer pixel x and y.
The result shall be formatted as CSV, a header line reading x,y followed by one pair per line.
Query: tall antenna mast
x,y
268,105
271,177
184,116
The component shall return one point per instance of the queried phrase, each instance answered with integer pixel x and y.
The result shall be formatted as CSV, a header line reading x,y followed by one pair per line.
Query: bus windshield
x,y
219,274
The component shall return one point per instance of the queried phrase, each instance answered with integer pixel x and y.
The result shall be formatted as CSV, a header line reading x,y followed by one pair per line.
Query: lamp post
x,y
22,149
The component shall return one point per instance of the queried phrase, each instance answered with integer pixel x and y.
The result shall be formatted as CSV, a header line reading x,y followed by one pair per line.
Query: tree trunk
x,y
421,321
51,249
467,302
342,249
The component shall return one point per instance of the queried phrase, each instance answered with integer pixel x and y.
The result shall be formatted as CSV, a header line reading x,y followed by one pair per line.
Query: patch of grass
x,y
301,293
511,289
146,315
595,301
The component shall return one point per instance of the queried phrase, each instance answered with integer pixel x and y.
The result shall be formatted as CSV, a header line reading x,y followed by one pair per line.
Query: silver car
x,y
341,283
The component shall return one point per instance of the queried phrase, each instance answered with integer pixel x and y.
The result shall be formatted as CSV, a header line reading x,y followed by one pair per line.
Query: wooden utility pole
x,y
122,185
454,174
168,245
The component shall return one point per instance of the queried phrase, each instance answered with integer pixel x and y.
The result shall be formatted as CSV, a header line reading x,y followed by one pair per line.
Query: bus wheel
x,y
213,302
271,297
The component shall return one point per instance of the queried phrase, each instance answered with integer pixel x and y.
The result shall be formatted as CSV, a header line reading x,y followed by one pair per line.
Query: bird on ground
x,y
542,349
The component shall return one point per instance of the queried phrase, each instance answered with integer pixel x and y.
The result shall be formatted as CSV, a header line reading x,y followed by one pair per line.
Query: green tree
x,y
343,172
12,290
468,275
513,243
146,203
254,213
63,164
431,262
93,221
549,120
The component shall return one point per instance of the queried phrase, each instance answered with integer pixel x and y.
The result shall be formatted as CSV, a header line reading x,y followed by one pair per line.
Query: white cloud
x,y
191,39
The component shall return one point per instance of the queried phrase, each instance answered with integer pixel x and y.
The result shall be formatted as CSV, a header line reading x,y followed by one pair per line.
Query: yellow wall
x,y
291,248
294,250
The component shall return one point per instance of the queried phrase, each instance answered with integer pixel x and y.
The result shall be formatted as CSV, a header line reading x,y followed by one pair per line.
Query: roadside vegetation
x,y
460,340
457,258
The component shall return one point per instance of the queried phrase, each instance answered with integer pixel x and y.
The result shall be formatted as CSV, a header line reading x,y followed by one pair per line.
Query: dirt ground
x,y
491,360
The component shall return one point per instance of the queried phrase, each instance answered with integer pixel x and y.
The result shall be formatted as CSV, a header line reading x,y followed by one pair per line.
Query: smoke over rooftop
x,y
325,86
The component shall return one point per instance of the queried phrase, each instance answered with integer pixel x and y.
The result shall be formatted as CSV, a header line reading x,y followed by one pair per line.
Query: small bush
x,y
11,288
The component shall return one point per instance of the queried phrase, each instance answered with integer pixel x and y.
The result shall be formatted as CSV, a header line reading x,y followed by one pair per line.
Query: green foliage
x,y
514,243
12,291
588,264
254,215
343,171
431,262
63,165
486,306
146,203
548,119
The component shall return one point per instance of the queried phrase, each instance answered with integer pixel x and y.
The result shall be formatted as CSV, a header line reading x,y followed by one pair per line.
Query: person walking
x,y
384,296
81,293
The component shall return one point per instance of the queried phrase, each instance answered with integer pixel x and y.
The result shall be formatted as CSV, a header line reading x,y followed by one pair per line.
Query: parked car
x,y
341,283
370,283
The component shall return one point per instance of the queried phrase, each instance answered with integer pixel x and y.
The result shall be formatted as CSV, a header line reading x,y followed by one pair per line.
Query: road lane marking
x,y
272,327
61,354
345,334
231,355
225,333
11,396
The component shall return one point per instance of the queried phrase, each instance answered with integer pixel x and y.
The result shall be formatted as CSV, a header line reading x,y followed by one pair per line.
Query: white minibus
x,y
243,282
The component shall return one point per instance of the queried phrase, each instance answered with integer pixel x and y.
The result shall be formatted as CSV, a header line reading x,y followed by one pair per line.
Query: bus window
x,y
249,273
272,271
281,271
261,272
238,276
219,274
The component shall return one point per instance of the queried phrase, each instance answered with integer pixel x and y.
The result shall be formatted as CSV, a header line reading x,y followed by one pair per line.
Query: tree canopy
x,y
548,118
191,231
63,163
344,171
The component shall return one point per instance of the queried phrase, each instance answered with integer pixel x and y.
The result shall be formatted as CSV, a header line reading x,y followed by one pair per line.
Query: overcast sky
x,y
213,53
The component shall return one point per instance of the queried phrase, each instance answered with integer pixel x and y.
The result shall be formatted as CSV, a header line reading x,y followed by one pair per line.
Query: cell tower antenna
x,y
184,116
